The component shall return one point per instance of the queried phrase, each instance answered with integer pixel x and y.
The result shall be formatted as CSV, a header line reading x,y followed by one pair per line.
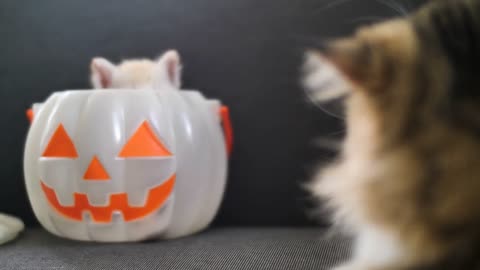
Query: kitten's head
x,y
408,74
137,73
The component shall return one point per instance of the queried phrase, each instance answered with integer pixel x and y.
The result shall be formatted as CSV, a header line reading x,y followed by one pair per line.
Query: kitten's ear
x,y
170,68
351,57
102,72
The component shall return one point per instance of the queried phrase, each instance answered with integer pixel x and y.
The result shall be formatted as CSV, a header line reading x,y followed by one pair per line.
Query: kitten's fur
x,y
407,183
137,73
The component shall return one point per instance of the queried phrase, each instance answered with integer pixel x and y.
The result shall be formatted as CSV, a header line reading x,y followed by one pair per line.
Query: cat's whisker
x,y
395,6
335,3
368,19
328,143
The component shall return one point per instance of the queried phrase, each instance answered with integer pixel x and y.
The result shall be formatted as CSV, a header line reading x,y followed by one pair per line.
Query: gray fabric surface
x,y
220,248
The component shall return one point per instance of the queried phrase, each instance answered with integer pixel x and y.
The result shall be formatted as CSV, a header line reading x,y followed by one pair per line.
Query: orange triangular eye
x,y
144,143
60,145
96,171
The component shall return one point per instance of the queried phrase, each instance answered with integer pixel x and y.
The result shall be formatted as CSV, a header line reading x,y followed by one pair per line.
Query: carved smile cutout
x,y
118,203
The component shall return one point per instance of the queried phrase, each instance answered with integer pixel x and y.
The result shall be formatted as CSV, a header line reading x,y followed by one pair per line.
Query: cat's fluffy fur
x,y
137,73
407,182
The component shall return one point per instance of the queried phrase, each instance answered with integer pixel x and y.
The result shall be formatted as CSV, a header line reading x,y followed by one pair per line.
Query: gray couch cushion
x,y
219,248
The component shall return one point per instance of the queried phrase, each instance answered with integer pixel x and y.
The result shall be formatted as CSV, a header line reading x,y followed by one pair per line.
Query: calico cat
x,y
407,181
137,73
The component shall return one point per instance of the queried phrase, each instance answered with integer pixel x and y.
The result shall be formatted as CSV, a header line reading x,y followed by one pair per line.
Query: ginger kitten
x,y
407,182
137,73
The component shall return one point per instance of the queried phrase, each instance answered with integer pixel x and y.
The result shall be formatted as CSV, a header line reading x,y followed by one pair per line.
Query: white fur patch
x,y
376,247
322,79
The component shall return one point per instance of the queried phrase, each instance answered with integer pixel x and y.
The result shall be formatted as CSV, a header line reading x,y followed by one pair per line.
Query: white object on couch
x,y
10,227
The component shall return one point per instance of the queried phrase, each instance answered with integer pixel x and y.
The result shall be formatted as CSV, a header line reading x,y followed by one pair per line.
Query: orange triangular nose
x,y
96,171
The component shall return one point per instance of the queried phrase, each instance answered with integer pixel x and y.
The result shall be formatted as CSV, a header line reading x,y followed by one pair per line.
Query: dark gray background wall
x,y
245,52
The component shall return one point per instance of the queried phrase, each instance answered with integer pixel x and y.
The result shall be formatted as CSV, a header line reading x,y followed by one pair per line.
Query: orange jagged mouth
x,y
118,202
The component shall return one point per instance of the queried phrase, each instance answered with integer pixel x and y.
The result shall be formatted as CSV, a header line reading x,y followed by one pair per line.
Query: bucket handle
x,y
227,128
29,114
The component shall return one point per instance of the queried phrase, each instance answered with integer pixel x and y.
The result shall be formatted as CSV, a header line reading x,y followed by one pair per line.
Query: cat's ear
x,y
169,68
102,72
352,57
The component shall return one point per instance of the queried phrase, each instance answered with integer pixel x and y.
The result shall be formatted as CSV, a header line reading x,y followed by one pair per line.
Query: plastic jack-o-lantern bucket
x,y
126,165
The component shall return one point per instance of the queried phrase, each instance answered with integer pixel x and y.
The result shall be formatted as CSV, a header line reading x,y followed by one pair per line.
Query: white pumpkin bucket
x,y
126,165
